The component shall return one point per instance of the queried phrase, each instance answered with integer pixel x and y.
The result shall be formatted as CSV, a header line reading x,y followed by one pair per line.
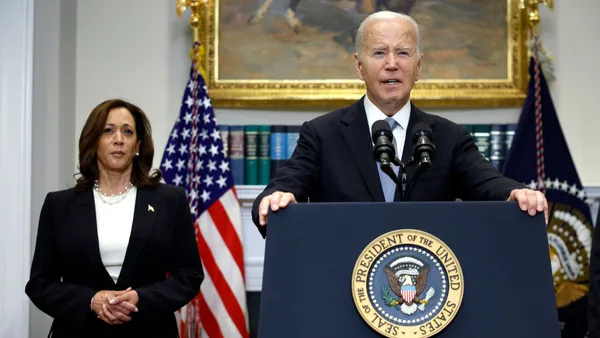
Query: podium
x,y
443,269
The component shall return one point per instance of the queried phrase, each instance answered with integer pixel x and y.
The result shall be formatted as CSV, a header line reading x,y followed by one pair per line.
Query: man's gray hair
x,y
359,41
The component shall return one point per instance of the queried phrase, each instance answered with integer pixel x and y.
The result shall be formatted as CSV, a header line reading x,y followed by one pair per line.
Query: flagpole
x,y
197,52
532,15
190,323
197,9
531,10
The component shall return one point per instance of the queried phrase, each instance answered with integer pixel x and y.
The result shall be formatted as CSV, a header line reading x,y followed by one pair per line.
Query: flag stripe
x,y
179,317
223,289
228,233
232,206
223,320
224,261
209,322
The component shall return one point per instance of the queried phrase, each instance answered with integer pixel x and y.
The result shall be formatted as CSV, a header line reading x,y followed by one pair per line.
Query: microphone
x,y
382,137
424,148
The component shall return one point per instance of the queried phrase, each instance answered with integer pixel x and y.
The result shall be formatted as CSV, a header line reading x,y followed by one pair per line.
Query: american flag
x,y
196,159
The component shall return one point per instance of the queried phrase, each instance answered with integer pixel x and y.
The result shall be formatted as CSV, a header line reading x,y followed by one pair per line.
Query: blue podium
x,y
443,269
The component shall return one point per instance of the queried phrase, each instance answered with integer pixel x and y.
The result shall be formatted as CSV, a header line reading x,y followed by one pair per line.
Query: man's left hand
x,y
531,201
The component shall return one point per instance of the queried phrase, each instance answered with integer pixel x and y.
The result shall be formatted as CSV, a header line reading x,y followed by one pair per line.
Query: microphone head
x,y
379,128
421,129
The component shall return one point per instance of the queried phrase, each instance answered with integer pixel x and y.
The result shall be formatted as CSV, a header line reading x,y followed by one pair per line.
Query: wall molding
x,y
255,245
16,80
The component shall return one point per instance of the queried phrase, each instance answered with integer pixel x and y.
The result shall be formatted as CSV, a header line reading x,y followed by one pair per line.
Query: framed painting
x,y
299,53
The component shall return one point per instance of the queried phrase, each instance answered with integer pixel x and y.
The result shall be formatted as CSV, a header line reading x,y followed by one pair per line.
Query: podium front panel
x,y
312,250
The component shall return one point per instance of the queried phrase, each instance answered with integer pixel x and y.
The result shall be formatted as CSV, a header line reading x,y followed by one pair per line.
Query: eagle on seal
x,y
407,277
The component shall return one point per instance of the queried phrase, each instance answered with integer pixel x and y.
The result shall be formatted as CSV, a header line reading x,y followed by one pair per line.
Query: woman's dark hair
x,y
90,137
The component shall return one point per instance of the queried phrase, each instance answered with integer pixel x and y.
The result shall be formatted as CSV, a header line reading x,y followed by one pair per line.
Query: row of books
x,y
256,151
493,141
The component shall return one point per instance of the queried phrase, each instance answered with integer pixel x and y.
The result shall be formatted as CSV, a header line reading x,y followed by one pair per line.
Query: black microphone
x,y
424,148
382,137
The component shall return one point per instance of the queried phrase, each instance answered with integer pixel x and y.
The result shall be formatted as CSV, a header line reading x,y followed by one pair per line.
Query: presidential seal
x,y
407,283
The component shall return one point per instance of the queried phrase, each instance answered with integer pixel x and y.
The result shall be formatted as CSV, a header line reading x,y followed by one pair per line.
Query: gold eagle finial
x,y
196,7
531,10
181,7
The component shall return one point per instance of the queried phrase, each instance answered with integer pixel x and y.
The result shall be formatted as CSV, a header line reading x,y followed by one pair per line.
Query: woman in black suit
x,y
116,255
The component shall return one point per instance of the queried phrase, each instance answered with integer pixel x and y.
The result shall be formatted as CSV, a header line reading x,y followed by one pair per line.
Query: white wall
x,y
53,114
576,48
16,43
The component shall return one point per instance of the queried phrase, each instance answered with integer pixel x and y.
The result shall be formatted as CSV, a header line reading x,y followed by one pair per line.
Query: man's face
x,y
389,63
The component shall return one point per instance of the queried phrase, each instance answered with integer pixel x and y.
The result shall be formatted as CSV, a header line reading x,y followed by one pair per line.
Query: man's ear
x,y
358,66
419,68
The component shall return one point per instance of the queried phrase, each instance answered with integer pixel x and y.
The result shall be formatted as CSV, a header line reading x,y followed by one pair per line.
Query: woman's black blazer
x,y
161,263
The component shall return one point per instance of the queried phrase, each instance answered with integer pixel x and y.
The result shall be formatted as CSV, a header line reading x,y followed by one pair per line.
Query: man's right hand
x,y
276,201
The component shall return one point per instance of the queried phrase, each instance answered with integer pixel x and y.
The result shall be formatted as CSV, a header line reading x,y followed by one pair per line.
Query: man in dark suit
x,y
333,159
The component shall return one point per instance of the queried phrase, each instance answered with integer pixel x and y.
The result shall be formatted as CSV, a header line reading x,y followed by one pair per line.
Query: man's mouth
x,y
392,81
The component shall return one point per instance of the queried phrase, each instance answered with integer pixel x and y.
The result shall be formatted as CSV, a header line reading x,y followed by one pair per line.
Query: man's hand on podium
x,y
530,200
276,201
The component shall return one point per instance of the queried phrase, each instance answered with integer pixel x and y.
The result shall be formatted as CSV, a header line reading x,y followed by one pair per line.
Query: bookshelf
x,y
256,150
254,244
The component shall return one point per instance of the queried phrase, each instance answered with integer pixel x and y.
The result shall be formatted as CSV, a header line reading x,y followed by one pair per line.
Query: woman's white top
x,y
114,223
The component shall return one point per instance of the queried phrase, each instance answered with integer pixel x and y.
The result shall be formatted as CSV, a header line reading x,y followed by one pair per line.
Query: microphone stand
x,y
401,178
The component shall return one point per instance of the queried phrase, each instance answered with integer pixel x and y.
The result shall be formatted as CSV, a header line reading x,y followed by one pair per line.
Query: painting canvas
x,y
301,52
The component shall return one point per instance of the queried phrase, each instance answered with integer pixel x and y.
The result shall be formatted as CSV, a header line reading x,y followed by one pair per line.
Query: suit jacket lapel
x,y
84,217
143,221
356,133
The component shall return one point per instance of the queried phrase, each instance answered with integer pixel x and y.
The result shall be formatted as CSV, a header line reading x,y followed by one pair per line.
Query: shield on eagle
x,y
407,277
408,292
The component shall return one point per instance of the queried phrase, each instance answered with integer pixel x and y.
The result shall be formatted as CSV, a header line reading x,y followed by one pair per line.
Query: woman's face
x,y
119,142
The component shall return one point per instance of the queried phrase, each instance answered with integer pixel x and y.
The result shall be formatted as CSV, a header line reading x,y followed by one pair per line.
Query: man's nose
x,y
391,61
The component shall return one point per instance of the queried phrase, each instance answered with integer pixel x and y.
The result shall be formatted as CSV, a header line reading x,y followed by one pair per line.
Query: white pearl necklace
x,y
104,197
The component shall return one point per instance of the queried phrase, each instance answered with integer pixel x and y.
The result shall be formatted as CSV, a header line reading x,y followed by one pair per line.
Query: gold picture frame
x,y
507,91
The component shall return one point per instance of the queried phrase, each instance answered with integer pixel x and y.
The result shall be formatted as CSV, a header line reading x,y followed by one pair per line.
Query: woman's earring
x,y
137,154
